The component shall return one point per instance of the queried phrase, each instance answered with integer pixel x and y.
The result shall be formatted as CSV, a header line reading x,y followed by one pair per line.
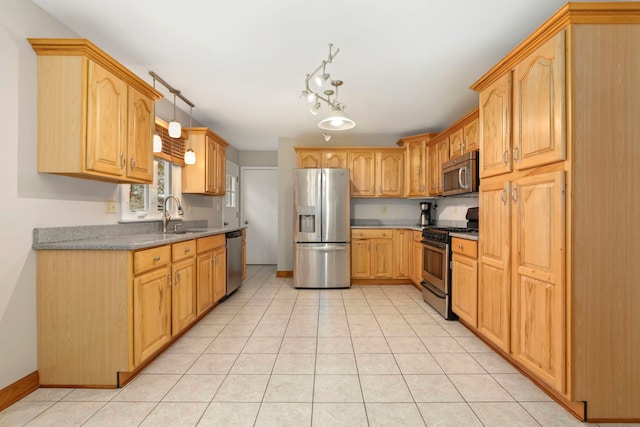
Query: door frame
x,y
242,189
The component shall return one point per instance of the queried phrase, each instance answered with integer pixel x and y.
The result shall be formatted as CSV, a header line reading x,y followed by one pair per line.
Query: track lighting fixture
x,y
157,141
190,155
175,129
336,120
326,137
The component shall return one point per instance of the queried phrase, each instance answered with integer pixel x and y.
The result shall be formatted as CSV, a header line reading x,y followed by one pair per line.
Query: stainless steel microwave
x,y
460,175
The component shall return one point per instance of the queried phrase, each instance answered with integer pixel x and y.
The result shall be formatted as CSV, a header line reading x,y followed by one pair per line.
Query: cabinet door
x,y
221,169
390,174
219,273
464,292
151,313
204,290
140,137
416,169
455,143
471,137
538,302
362,165
416,264
382,258
210,165
435,169
310,159
538,106
337,159
495,128
401,251
494,280
106,122
360,258
183,295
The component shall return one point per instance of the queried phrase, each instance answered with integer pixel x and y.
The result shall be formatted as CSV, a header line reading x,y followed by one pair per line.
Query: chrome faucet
x,y
166,217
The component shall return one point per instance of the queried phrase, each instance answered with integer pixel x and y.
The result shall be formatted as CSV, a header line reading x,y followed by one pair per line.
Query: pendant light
x,y
190,155
157,141
175,129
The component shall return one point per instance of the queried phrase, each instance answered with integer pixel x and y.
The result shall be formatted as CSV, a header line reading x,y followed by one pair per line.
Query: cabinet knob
x,y
156,258
187,250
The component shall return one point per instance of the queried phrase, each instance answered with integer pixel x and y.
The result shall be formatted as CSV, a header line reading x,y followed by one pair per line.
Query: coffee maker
x,y
425,215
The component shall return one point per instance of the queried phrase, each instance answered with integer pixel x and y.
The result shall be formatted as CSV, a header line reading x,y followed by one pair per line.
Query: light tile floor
x,y
272,355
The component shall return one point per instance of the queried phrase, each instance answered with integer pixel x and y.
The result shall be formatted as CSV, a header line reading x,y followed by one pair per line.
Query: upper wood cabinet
x,y
535,91
438,154
415,169
208,175
322,159
456,140
471,141
377,173
95,117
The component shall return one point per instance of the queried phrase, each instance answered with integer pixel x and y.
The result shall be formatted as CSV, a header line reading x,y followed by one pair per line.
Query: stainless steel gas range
x,y
436,264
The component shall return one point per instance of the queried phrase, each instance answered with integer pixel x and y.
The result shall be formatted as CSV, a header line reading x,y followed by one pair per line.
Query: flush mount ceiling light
x,y
175,129
336,120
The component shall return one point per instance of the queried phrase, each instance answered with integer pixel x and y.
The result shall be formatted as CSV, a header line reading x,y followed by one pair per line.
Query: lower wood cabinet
x,y
464,281
212,271
416,257
382,253
401,253
103,313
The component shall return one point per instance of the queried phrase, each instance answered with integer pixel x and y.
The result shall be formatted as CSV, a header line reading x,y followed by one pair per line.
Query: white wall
x,y
31,200
287,160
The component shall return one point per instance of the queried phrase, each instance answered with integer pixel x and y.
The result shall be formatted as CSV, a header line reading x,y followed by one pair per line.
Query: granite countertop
x,y
118,237
471,235
405,226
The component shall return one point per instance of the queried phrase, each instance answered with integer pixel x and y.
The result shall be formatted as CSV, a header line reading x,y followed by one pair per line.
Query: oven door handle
x,y
433,244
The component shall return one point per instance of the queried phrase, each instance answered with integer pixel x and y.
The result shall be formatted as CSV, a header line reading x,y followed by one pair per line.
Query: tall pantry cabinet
x,y
559,157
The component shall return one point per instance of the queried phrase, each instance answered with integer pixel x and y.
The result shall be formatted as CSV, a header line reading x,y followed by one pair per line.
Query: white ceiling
x,y
406,64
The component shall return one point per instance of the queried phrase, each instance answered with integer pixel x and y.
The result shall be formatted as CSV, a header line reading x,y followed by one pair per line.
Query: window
x,y
145,202
231,196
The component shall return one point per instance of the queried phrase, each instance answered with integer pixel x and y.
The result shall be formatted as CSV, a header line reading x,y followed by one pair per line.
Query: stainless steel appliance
x,y
322,229
436,264
234,261
425,214
460,175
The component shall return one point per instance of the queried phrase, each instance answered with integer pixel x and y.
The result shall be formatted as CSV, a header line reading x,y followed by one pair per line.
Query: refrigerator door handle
x,y
322,248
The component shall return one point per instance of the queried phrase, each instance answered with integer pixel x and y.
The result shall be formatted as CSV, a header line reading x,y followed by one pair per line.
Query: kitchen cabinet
x,y
183,289
416,164
377,173
322,159
471,134
401,253
95,117
211,281
455,143
571,274
416,257
208,175
372,254
151,301
438,154
464,281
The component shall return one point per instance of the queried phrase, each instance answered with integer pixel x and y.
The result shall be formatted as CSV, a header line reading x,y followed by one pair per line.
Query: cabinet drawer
x,y
372,233
150,259
183,250
464,247
211,242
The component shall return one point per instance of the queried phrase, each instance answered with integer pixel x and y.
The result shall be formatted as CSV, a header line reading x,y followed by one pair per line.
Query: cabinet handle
x,y
504,157
177,278
503,196
123,161
133,164
516,154
187,250
168,281
464,145
156,258
514,194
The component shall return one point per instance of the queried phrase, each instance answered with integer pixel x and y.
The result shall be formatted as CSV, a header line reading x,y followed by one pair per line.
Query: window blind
x,y
172,148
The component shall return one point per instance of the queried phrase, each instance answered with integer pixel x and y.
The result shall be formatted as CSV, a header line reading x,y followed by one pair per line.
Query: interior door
x,y
259,207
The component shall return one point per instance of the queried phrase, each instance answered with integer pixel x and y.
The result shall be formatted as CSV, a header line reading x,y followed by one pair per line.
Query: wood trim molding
x,y
19,389
83,47
570,13
349,149
426,137
284,273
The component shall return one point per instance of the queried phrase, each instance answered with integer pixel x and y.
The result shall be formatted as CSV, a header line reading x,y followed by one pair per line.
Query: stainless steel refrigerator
x,y
322,228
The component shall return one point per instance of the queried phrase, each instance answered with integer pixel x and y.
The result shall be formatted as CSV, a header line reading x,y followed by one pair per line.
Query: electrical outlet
x,y
383,209
110,206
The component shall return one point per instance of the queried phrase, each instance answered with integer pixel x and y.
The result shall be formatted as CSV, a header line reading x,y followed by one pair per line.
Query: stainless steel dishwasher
x,y
234,261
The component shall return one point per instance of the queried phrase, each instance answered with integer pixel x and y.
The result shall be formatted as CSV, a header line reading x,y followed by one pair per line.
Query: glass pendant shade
x,y
157,143
336,120
190,157
175,129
